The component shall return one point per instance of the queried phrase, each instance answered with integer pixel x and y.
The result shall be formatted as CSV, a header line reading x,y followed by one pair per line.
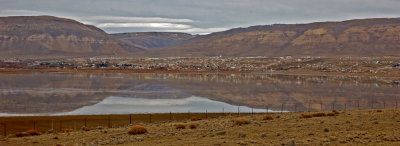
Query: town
x,y
360,65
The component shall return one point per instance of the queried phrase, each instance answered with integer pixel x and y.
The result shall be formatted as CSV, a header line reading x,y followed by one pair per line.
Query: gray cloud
x,y
194,16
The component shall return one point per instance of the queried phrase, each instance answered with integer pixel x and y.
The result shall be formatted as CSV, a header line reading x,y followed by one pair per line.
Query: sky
x,y
199,16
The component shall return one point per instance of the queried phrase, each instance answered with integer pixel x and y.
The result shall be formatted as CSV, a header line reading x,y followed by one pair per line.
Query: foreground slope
x,y
365,127
361,37
52,36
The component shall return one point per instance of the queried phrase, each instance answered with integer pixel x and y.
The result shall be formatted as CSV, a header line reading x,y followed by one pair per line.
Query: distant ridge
x,y
155,40
48,36
360,37
52,36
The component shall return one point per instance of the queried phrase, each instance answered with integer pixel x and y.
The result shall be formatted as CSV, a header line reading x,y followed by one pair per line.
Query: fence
x,y
12,125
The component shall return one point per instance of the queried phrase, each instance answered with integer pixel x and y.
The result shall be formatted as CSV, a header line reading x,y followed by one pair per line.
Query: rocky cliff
x,y
362,37
52,36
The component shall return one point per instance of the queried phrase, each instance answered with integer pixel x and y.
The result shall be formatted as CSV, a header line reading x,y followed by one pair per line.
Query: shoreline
x,y
308,73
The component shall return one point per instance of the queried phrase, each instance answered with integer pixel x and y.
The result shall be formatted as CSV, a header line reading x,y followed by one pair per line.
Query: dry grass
x,y
137,129
241,122
180,126
306,116
319,115
195,118
268,117
192,125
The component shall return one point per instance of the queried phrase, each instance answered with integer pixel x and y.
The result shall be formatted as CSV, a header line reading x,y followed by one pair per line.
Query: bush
x,y
331,114
180,126
33,132
379,111
268,117
20,134
137,129
319,115
195,119
192,126
241,122
335,111
306,116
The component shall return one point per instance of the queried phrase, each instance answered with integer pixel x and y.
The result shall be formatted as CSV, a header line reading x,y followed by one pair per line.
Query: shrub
x,y
335,111
306,116
195,119
192,126
137,129
319,115
331,114
241,122
20,134
180,126
268,117
378,110
33,132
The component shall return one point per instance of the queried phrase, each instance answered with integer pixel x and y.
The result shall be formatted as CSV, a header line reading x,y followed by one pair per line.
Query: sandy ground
x,y
364,127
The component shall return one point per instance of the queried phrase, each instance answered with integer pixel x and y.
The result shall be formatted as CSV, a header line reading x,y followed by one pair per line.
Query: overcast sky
x,y
199,16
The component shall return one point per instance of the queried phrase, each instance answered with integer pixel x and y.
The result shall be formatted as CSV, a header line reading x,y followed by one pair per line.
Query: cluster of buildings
x,y
260,64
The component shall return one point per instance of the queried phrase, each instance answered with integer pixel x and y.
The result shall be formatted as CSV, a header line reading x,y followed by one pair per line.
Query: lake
x,y
113,93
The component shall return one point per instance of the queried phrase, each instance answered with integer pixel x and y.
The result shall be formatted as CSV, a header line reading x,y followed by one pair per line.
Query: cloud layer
x,y
203,16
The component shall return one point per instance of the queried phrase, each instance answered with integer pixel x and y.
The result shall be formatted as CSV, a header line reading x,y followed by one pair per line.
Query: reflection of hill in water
x,y
56,92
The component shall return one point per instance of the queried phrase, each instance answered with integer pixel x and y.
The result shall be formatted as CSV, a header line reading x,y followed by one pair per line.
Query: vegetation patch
x,y
195,119
180,126
268,117
241,122
137,129
306,116
33,132
192,125
319,115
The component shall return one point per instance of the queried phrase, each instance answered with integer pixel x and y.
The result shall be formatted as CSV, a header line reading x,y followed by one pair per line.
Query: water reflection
x,y
123,105
67,93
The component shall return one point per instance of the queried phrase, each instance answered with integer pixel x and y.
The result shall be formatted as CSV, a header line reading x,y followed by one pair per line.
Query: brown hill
x,y
51,36
361,37
155,40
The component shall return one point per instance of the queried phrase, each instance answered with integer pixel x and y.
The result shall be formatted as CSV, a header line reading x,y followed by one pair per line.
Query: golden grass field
x,y
356,127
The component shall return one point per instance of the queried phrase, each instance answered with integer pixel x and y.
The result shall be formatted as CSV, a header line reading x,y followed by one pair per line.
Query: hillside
x,y
155,40
361,37
51,36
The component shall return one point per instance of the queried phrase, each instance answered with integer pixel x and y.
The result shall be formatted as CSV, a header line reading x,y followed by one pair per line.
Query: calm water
x,y
86,93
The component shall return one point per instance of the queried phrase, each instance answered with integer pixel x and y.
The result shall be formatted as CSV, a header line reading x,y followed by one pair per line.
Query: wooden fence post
x,y
85,123
150,118
34,124
170,116
5,129
282,108
238,112
130,118
109,121
320,106
206,115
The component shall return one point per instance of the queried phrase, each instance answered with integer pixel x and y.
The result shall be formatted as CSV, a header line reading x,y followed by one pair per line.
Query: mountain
x,y
360,37
155,40
39,36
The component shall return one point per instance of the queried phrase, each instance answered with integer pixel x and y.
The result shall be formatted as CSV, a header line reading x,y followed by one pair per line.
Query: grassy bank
x,y
357,127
